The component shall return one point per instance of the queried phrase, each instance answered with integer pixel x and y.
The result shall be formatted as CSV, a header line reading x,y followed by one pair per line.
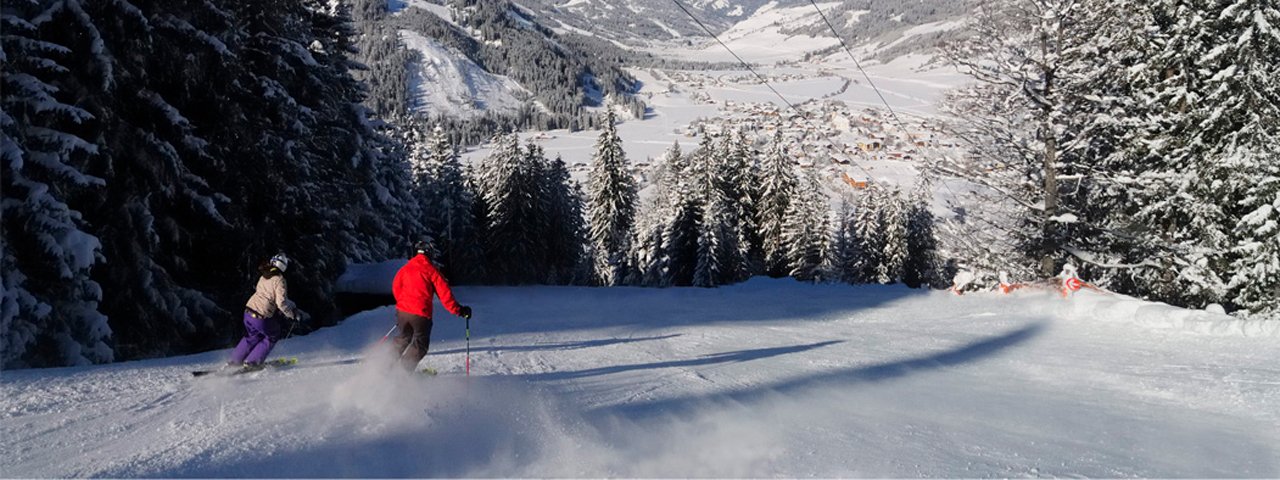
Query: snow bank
x,y
1120,308
369,277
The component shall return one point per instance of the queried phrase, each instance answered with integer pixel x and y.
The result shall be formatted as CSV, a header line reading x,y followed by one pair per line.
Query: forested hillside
x,y
568,78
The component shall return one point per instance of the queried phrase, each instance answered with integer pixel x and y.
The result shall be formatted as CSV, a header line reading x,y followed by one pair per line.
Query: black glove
x,y
465,312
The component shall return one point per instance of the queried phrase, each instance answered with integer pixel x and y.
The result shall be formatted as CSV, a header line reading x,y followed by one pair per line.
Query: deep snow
x,y
768,378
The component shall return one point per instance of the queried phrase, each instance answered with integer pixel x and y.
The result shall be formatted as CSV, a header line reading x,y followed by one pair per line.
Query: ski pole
x,y
468,345
384,337
292,324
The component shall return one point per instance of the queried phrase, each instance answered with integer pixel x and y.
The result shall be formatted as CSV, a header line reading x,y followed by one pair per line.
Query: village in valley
x,y
852,144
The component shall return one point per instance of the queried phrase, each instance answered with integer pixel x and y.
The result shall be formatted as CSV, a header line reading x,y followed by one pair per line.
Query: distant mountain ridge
x,y
628,21
641,22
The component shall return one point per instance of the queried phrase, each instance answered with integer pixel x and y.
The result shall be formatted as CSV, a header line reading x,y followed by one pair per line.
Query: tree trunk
x,y
1050,239
1050,202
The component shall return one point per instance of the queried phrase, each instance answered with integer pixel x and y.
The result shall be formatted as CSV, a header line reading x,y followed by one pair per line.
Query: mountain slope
x,y
443,83
634,21
766,378
466,59
873,23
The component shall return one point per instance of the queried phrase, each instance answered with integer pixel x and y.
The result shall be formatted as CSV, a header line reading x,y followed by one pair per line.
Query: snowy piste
x,y
767,378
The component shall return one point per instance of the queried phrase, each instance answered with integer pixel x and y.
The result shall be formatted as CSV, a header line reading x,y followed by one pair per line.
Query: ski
x,y
227,372
282,362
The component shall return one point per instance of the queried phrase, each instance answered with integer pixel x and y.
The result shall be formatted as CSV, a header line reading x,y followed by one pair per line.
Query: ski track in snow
x,y
767,378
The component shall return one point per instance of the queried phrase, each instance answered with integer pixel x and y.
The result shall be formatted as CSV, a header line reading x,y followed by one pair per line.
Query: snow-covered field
x,y
759,38
768,378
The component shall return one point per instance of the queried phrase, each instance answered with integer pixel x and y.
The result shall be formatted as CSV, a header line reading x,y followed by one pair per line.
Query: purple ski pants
x,y
260,334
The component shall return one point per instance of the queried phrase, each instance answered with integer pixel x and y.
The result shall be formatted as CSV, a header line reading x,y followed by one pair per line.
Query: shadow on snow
x,y
972,352
515,310
557,345
709,359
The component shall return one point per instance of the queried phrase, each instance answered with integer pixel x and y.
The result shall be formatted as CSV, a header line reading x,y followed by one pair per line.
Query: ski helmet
x,y
280,261
422,246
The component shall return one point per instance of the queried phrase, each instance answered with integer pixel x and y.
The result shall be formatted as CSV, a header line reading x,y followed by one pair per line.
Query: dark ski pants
x,y
260,335
414,339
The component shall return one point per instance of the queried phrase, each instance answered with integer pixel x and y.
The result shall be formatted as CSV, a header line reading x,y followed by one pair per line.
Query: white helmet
x,y
1068,270
280,261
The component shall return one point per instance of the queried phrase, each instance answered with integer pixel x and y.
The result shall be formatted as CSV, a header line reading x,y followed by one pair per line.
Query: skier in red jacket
x,y
413,287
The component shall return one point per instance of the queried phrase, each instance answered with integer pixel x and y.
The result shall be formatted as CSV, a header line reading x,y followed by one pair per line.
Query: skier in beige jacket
x,y
262,322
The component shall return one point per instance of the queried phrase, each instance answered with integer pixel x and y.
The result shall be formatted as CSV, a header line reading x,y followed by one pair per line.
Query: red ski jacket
x,y
414,285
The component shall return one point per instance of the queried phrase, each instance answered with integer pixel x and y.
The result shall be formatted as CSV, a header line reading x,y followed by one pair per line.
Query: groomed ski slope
x,y
768,378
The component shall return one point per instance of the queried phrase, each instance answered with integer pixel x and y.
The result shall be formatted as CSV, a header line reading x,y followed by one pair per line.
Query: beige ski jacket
x,y
271,297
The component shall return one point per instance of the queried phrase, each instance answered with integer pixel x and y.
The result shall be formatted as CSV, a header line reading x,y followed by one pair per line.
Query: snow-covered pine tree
x,y
893,222
684,226
805,231
1237,89
536,227
446,202
778,185
317,179
1247,93
498,181
842,260
567,234
1177,226
868,234
49,312
1255,285
480,220
738,180
533,231
611,206
390,189
649,247
1210,76
921,268
419,151
138,72
716,245
707,267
